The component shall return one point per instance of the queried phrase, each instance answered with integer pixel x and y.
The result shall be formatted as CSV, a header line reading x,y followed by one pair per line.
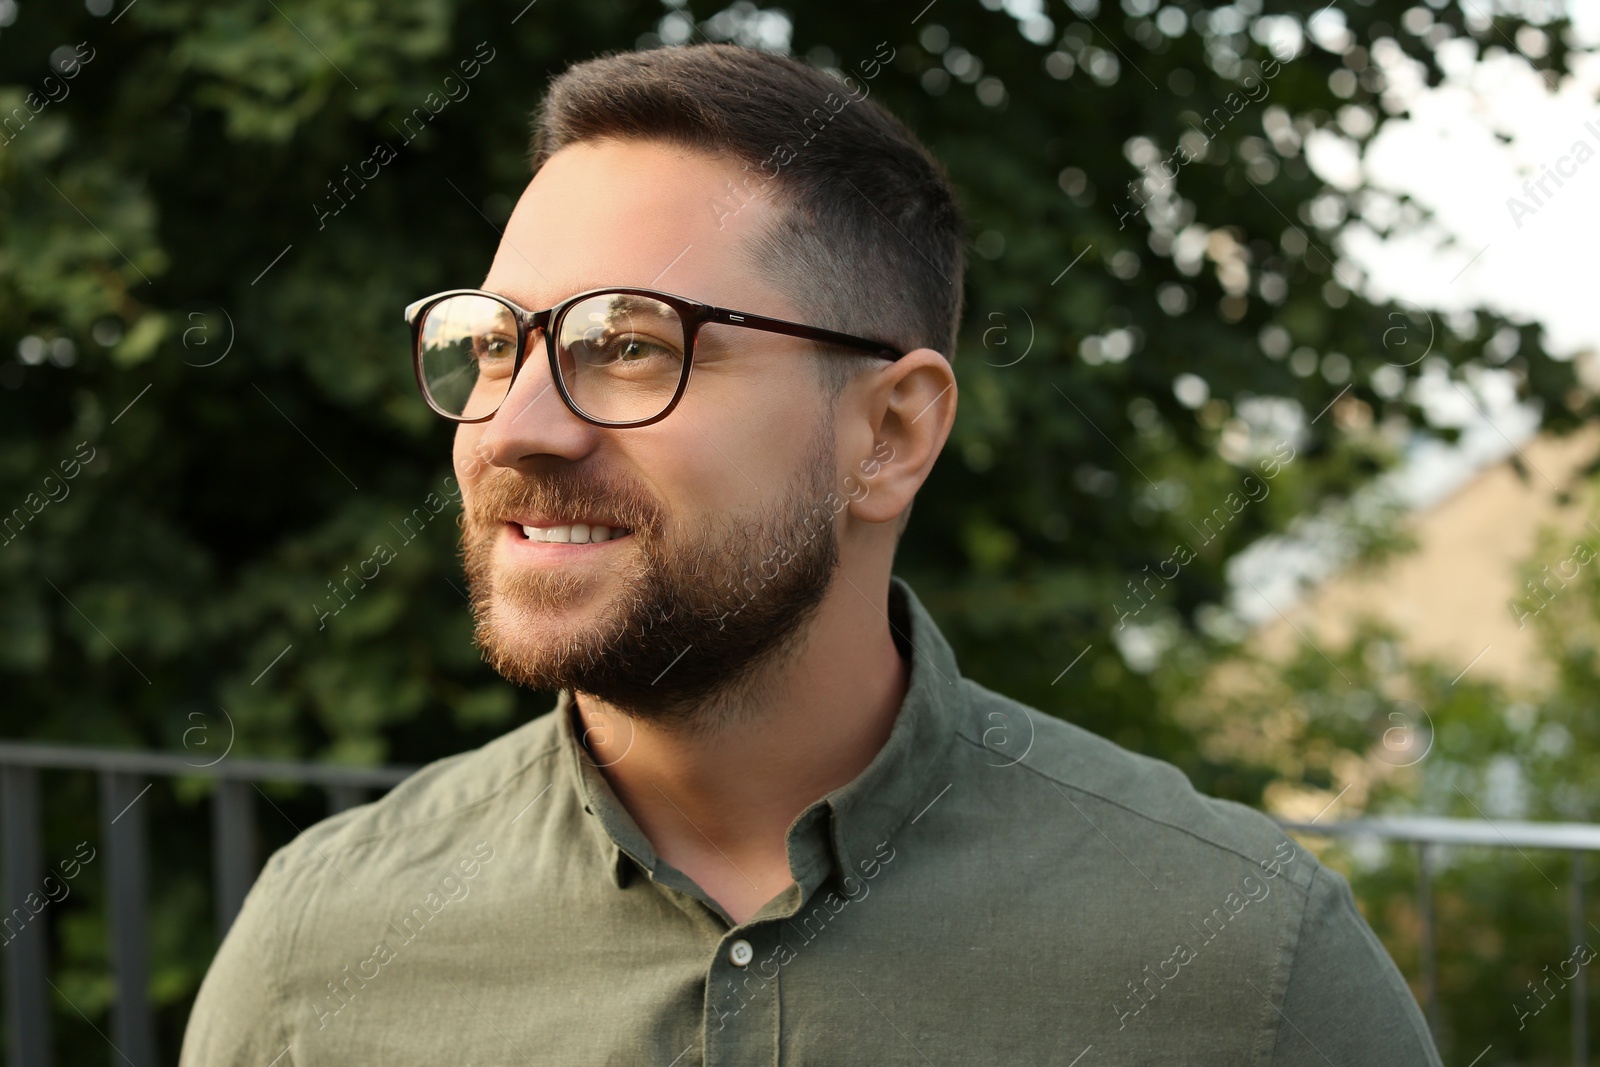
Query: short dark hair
x,y
869,239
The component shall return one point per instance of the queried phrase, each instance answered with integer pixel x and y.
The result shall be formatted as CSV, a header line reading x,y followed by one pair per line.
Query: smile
x,y
576,533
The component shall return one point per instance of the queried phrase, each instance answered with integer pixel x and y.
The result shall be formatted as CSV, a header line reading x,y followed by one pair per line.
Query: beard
x,y
701,620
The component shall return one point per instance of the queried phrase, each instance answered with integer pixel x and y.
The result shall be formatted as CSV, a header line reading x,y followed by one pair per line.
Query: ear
x,y
908,407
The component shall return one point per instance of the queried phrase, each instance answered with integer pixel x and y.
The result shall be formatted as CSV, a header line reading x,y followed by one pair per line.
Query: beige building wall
x,y
1450,597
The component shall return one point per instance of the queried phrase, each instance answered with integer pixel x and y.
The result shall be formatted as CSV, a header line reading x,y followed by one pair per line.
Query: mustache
x,y
565,492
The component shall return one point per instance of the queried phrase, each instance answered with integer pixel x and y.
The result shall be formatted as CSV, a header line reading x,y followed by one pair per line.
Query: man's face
x,y
729,545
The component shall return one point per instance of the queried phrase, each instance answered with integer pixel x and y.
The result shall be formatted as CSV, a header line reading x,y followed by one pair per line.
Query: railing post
x,y
344,797
1580,982
1430,969
24,934
127,891
233,848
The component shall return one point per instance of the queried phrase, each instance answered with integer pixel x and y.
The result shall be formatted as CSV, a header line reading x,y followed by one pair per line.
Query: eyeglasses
x,y
618,357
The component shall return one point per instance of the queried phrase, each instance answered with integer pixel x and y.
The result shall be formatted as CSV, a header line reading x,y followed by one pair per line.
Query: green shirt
x,y
996,887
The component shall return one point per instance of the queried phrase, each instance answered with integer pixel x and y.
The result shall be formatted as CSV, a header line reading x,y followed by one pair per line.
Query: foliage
x,y
184,303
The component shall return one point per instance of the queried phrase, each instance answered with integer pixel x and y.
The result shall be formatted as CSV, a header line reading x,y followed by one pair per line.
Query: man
x,y
767,821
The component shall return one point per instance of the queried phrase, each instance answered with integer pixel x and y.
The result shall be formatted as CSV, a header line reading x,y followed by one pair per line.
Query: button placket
x,y
741,1001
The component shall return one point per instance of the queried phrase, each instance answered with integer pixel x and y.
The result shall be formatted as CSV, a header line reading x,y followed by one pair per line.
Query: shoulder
x,y
317,898
414,825
1151,800
1129,839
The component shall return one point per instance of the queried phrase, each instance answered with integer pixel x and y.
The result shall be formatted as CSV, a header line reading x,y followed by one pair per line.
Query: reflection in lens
x,y
469,348
621,356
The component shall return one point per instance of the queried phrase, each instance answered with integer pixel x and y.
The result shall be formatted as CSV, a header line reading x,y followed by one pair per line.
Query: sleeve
x,y
240,1014
1346,1001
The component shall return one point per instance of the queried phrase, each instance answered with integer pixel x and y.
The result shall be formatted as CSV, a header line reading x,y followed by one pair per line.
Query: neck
x,y
716,803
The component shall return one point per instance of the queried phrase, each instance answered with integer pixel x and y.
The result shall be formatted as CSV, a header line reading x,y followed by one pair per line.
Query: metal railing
x,y
123,779
1427,834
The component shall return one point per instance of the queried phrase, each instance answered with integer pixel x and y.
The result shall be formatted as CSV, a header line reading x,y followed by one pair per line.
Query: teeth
x,y
577,533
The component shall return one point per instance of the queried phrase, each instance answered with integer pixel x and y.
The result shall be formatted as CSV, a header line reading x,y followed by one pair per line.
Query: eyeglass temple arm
x,y
810,333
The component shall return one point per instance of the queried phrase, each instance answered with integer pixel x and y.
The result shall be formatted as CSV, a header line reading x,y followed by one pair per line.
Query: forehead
x,y
636,213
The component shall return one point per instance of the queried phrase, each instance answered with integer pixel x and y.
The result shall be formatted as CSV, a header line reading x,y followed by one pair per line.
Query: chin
x,y
534,630
540,645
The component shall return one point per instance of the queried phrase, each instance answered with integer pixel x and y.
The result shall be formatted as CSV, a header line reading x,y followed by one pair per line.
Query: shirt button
x,y
741,953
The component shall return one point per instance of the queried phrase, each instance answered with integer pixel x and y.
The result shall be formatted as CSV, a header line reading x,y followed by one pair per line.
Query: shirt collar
x,y
846,825
612,828
903,778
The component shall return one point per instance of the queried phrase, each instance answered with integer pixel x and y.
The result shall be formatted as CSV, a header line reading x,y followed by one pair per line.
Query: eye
x,y
495,352
600,348
631,349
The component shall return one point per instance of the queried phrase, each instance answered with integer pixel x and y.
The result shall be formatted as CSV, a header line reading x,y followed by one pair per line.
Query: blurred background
x,y
1275,453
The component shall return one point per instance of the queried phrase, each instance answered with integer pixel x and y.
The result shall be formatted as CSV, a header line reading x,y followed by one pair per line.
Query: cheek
x,y
467,454
769,437
688,470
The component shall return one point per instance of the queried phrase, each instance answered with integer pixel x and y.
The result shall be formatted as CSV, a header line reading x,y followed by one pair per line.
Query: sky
x,y
1463,151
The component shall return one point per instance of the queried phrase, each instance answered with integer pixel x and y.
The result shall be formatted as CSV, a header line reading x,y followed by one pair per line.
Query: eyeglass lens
x,y
620,355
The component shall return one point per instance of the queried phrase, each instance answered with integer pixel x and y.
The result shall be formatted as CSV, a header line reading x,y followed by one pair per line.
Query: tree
x,y
212,216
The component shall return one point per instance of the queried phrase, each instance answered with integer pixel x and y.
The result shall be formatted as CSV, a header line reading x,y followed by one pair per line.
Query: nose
x,y
533,420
